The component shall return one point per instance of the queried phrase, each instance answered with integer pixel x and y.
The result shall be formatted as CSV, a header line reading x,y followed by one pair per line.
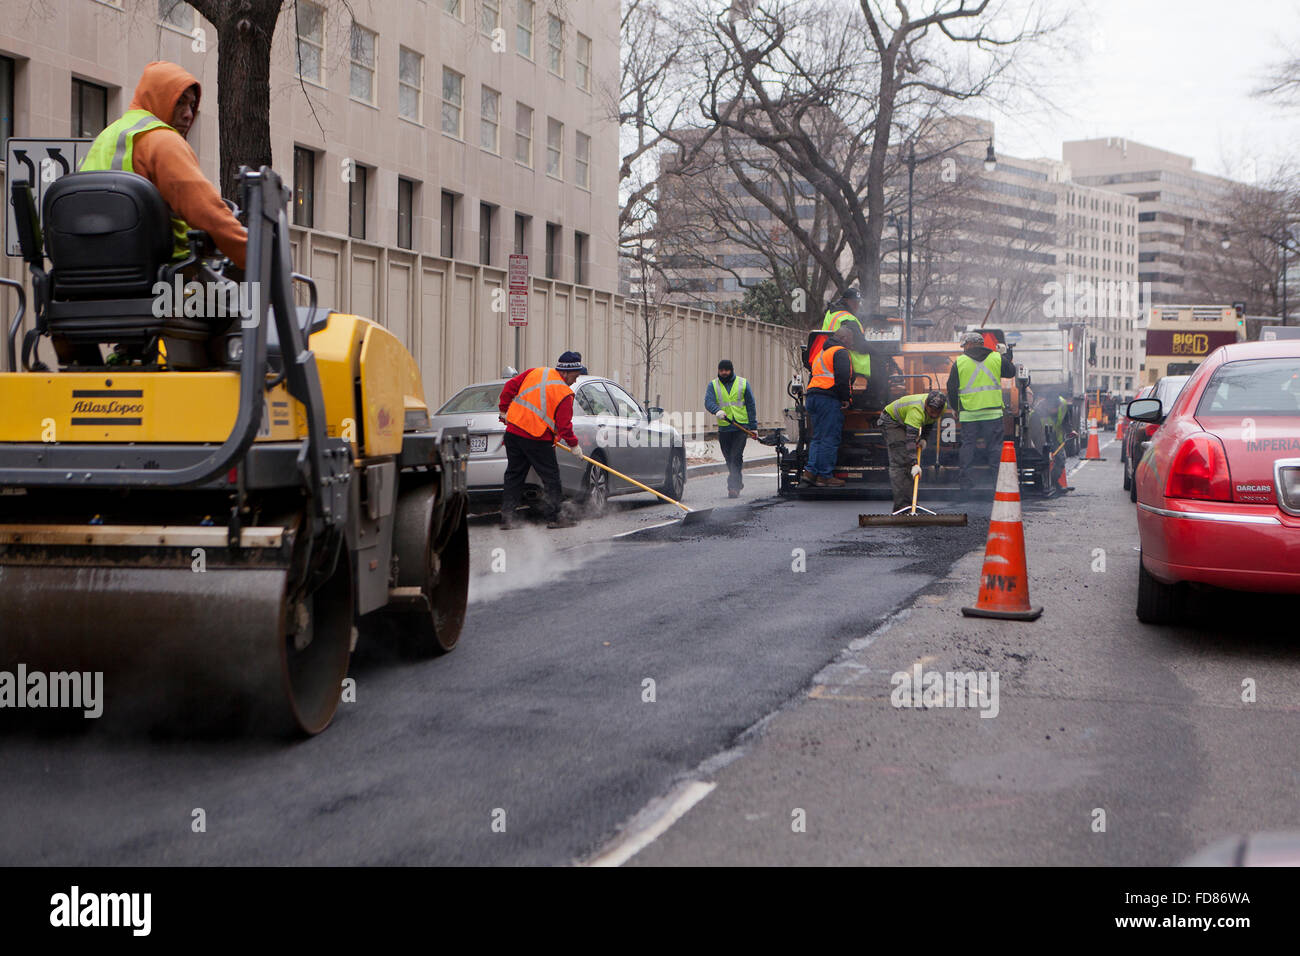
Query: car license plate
x,y
477,443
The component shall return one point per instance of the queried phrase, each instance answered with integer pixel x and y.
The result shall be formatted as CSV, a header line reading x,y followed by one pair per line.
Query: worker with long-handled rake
x,y
908,423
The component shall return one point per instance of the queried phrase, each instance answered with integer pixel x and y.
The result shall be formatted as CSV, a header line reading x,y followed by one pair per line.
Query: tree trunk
x,y
245,29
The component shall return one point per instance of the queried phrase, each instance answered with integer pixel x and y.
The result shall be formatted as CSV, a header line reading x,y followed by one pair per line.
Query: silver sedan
x,y
611,426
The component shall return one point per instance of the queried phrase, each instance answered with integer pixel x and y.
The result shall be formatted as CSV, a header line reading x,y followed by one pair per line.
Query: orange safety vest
x,y
533,409
823,368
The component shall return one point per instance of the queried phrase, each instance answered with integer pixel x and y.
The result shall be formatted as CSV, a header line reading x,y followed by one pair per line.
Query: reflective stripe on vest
x,y
861,360
823,370
979,387
114,149
533,409
732,401
908,410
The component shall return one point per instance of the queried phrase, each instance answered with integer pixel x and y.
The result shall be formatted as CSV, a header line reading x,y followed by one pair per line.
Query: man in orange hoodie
x,y
150,140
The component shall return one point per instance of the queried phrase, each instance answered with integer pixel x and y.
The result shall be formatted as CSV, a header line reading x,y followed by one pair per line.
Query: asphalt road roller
x,y
210,491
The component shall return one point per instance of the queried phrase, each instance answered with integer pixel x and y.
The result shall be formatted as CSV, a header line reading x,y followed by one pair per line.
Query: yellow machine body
x,y
369,381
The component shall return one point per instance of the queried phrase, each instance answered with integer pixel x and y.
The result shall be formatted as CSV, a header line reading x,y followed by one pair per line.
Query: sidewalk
x,y
705,457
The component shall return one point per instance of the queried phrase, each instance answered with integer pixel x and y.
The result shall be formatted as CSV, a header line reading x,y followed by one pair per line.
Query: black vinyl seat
x,y
108,235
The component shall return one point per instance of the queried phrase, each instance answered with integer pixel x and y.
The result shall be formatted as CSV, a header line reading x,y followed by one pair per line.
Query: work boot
x,y
830,481
733,494
561,521
807,479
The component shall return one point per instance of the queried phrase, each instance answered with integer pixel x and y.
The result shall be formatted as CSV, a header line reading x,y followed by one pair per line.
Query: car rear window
x,y
476,398
1253,387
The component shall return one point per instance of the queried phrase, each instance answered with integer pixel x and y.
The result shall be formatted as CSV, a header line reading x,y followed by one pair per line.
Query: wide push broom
x,y
913,517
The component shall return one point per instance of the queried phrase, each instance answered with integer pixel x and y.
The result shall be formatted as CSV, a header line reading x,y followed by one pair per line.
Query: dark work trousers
x,y
521,453
968,456
900,463
732,441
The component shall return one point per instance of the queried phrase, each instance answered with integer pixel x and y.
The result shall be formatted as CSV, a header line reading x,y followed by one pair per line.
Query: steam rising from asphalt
x,y
527,557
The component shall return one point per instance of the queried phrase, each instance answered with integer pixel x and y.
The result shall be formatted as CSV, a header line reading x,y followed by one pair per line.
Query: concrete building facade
x,y
467,128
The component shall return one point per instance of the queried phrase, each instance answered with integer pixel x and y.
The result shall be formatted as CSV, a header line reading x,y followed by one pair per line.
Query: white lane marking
x,y
678,804
1079,467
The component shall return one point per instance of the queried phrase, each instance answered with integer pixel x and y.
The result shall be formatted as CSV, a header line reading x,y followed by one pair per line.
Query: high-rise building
x,y
1180,213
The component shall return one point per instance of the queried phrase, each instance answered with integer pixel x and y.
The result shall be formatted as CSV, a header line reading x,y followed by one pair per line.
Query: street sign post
x,y
518,315
39,162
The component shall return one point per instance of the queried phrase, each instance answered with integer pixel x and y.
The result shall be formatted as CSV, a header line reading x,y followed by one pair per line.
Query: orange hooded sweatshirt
x,y
164,158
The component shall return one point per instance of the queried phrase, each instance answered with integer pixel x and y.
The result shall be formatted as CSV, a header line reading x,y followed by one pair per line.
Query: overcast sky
x,y
1175,74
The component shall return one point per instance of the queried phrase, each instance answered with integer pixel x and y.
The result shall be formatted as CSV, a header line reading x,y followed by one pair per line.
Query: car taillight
x,y
1200,470
1287,474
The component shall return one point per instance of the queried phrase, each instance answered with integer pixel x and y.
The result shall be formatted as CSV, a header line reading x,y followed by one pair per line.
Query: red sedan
x,y
1218,488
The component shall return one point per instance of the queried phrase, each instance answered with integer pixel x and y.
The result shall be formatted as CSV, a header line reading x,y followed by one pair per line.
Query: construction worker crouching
x,y
731,400
537,405
975,393
826,399
908,423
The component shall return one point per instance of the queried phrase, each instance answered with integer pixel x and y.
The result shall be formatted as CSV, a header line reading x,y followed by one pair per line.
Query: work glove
x,y
722,416
1002,347
921,444
916,471
574,450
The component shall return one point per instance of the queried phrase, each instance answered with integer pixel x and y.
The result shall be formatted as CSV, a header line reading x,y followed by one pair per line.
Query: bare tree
x,y
774,69
245,30
1246,263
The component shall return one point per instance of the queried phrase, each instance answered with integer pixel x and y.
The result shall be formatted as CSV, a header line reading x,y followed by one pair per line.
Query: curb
x,y
720,467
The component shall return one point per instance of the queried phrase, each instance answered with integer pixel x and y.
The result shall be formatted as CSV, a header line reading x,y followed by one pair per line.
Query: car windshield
x,y
1167,390
475,398
1254,387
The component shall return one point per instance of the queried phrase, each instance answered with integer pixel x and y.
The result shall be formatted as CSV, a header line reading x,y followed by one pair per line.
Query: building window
x,y
177,14
311,41
524,27
453,85
523,134
410,83
521,233
552,244
363,64
489,16
304,187
554,148
489,127
453,7
584,62
582,161
357,202
89,109
447,225
485,212
579,258
6,100
405,212
555,44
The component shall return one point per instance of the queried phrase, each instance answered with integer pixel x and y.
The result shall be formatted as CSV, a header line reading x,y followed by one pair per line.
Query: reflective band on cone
x,y
1004,580
1094,449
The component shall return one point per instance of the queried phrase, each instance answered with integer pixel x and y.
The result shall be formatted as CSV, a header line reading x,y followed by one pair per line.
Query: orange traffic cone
x,y
1094,448
1004,581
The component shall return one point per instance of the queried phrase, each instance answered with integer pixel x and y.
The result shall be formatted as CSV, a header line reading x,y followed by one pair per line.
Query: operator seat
x,y
108,235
